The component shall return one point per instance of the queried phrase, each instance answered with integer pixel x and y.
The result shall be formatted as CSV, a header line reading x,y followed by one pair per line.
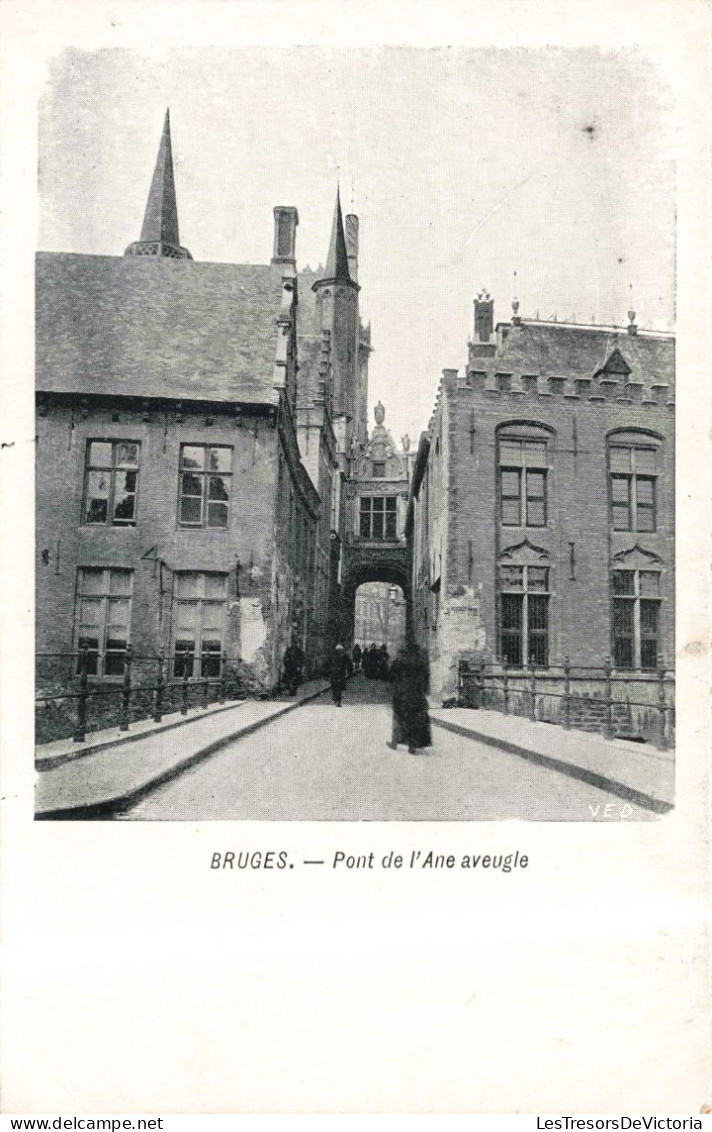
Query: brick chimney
x,y
286,219
484,316
352,245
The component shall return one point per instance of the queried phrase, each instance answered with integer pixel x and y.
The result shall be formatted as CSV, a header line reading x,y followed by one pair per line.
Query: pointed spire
x,y
160,222
159,231
337,261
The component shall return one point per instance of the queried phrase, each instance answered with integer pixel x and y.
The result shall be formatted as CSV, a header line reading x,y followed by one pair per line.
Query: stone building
x,y
380,616
541,515
334,348
376,506
193,423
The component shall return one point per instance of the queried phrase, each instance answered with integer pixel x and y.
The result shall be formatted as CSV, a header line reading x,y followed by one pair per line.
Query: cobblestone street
x,y
326,763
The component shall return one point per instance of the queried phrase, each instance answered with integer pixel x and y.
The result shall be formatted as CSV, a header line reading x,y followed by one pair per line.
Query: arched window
x,y
634,466
524,461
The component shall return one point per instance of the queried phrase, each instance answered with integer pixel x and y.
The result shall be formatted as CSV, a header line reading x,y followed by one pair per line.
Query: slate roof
x,y
156,327
555,350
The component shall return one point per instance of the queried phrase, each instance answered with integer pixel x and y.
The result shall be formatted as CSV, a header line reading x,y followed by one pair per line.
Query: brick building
x,y
188,439
541,516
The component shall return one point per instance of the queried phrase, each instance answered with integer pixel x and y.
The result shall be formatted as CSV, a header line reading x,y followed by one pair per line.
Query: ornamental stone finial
x,y
405,441
379,413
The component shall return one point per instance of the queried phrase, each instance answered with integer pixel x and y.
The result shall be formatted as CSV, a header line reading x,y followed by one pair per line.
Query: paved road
x,y
323,763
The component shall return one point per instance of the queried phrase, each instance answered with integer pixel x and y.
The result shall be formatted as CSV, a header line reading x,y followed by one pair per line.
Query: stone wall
x,y
266,552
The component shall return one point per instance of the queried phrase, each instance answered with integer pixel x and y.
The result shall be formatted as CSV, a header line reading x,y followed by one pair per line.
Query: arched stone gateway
x,y
388,565
374,547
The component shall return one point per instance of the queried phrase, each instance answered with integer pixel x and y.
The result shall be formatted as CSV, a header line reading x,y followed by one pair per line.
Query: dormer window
x,y
379,469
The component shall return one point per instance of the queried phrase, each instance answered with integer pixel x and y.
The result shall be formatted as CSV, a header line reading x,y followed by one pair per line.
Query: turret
x,y
337,311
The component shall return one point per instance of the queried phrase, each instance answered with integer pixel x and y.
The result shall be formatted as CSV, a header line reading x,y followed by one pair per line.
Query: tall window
x,y
523,466
378,516
636,618
205,480
524,631
103,618
199,612
634,469
111,482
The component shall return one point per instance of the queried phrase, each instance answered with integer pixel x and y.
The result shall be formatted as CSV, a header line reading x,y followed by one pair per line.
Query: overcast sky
x,y
465,166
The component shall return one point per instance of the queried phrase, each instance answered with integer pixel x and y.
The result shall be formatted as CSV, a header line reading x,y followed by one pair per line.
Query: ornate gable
x,y
379,457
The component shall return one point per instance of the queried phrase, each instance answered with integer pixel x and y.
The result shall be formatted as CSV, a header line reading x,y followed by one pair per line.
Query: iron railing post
x,y
567,693
184,692
481,684
206,692
662,706
532,689
80,730
126,692
608,721
505,689
158,712
223,679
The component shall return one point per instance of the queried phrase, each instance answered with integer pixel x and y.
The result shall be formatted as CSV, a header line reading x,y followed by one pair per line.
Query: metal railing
x,y
164,691
587,696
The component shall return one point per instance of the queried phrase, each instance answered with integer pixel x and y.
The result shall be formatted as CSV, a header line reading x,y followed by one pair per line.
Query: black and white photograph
x,y
365,414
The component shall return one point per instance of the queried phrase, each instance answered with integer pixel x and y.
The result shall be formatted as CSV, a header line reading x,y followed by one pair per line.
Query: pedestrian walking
x,y
356,657
411,722
339,670
293,666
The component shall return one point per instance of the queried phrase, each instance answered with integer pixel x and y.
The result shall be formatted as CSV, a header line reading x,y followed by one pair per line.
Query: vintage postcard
x,y
366,648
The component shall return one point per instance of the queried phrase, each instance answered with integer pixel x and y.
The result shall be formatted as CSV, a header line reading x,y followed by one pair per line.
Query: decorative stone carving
x,y
379,413
524,552
637,558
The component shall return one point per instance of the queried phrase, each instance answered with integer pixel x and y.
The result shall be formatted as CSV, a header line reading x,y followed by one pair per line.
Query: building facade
x,y
334,348
193,421
541,515
380,616
376,506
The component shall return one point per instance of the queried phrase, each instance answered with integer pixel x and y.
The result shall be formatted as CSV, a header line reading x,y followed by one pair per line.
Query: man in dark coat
x,y
339,671
411,722
356,657
293,666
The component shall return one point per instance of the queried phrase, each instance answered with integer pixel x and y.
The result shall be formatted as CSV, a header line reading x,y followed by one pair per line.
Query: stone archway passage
x,y
375,564
380,616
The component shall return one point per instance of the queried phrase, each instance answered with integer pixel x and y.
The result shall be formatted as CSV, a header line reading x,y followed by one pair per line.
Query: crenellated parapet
x,y
518,387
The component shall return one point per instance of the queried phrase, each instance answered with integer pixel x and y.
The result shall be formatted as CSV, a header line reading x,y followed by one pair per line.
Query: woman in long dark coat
x,y
411,722
338,674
